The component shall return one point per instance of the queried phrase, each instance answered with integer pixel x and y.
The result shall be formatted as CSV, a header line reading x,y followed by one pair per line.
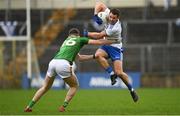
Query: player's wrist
x,y
85,33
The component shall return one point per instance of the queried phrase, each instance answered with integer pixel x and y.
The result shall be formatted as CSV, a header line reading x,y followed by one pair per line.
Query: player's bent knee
x,y
99,55
119,73
74,85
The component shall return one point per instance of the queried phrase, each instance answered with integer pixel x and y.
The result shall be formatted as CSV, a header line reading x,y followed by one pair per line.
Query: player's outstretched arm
x,y
84,57
96,35
101,42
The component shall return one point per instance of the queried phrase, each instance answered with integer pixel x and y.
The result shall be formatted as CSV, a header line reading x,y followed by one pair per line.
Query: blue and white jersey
x,y
114,31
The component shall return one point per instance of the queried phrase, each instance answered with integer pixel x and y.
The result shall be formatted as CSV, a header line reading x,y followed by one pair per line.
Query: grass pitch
x,y
94,102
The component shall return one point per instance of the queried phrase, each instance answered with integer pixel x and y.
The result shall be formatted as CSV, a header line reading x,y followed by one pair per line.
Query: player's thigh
x,y
51,69
101,52
118,66
48,81
71,81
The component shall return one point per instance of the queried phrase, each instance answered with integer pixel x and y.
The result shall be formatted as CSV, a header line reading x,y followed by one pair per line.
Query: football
x,y
103,16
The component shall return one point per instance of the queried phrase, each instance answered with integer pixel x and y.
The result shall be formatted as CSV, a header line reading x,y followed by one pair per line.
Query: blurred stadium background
x,y
32,30
151,32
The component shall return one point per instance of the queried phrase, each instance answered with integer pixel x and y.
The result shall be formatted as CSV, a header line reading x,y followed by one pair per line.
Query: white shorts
x,y
61,68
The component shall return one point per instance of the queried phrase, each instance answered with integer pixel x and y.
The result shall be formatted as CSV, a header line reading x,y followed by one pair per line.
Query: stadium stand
x,y
42,38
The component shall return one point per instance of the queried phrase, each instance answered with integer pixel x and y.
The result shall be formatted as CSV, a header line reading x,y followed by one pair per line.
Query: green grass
x,y
94,102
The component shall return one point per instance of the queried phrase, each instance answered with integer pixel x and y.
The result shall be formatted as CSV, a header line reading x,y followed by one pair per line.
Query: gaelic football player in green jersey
x,y
62,65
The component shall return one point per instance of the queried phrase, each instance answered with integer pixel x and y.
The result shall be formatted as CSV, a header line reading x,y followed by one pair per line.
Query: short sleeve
x,y
84,40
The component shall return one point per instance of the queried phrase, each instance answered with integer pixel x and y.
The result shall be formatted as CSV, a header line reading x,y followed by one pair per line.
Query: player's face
x,y
113,18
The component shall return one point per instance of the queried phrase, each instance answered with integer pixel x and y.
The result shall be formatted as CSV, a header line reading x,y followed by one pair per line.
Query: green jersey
x,y
70,48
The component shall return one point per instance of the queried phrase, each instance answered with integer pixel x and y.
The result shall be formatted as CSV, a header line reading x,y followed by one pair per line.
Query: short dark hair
x,y
74,31
115,11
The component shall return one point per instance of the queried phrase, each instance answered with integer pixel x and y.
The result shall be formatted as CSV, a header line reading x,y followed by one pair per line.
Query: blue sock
x,y
109,70
130,87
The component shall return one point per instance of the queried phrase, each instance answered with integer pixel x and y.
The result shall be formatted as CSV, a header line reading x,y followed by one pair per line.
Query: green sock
x,y
65,104
31,104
